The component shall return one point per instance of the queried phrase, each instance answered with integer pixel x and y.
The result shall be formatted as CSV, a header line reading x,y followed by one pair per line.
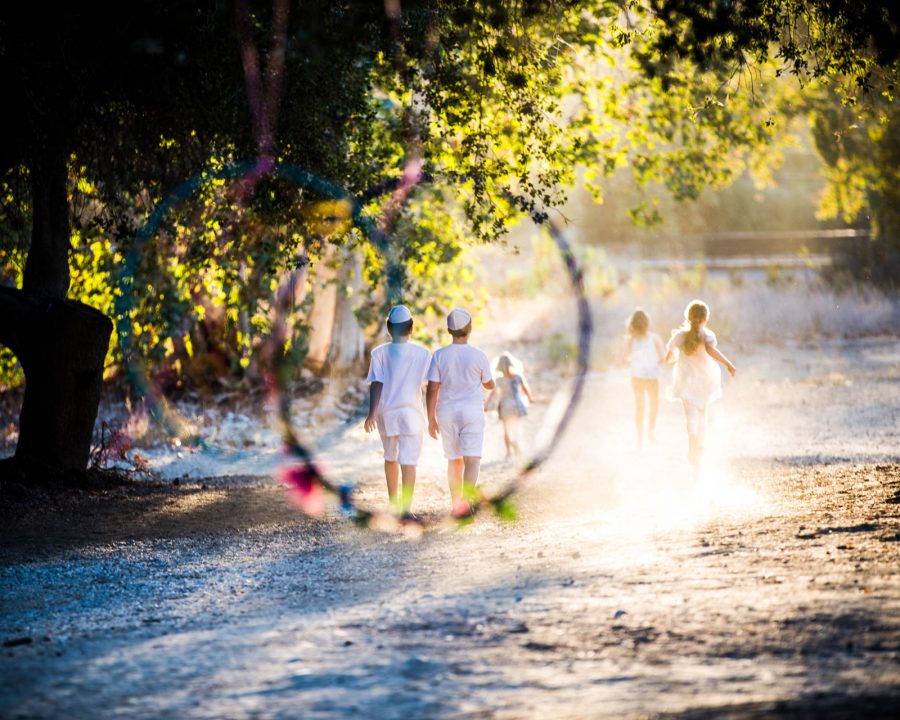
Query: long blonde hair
x,y
695,313
507,364
638,324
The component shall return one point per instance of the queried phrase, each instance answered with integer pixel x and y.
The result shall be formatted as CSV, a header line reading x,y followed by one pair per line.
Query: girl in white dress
x,y
644,350
696,379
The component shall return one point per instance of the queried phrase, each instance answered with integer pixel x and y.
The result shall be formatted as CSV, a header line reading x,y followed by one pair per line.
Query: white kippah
x,y
458,319
399,314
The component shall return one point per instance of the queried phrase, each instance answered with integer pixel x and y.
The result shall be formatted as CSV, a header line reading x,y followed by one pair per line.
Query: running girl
x,y
696,379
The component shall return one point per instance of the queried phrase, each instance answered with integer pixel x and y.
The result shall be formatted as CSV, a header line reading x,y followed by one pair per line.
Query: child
x,y
396,375
457,378
514,395
645,351
696,380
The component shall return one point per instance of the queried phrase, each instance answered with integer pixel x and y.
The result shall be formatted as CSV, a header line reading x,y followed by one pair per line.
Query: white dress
x,y
512,401
697,378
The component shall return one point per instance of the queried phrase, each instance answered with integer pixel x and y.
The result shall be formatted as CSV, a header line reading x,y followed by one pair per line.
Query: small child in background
x,y
696,379
514,395
644,350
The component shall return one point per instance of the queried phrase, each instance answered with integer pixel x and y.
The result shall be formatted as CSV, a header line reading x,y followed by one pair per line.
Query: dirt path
x,y
767,587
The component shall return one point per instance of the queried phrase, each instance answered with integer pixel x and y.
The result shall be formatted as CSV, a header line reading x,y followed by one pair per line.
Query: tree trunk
x,y
321,319
336,342
60,343
47,266
348,345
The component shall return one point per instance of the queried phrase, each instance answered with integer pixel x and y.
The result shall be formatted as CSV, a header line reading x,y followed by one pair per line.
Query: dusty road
x,y
770,587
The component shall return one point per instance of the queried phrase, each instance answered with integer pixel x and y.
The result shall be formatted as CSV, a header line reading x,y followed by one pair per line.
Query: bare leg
x,y
408,473
701,429
507,439
470,475
514,434
391,474
455,478
637,386
695,418
654,408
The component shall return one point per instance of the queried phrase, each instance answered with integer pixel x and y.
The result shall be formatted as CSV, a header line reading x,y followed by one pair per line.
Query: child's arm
x,y
716,355
526,389
489,398
670,349
487,372
375,389
431,398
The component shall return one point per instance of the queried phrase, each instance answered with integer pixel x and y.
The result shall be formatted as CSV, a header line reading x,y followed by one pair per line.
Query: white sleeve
x,y
710,338
486,373
376,370
434,372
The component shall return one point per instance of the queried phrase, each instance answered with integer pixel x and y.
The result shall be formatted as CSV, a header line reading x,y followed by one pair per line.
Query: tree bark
x,y
60,343
348,344
321,318
336,342
47,266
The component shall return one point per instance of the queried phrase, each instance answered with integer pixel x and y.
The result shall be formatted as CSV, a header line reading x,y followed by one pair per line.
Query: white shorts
x,y
404,449
462,436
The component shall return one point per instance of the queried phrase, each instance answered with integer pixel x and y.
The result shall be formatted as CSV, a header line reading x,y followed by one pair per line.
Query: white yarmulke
x,y
458,319
399,314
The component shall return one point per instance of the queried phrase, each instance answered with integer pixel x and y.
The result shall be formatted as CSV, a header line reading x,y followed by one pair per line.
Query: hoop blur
x,y
161,411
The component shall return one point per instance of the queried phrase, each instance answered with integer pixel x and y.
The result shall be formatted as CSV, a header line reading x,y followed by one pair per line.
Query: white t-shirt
x,y
460,369
401,367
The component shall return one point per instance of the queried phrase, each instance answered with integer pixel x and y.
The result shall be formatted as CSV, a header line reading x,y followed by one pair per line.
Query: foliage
x,y
861,149
847,53
501,102
852,41
14,232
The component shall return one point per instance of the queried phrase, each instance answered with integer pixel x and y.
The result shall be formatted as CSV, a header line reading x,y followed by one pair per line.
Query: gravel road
x,y
767,587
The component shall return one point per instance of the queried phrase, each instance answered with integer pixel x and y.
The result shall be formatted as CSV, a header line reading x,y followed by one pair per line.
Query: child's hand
x,y
370,423
433,428
732,370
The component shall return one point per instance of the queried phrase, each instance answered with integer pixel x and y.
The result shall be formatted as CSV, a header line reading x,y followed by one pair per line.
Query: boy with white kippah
x,y
457,378
396,376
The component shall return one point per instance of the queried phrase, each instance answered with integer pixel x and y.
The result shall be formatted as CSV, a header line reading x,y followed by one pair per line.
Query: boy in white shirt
x,y
396,375
457,378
